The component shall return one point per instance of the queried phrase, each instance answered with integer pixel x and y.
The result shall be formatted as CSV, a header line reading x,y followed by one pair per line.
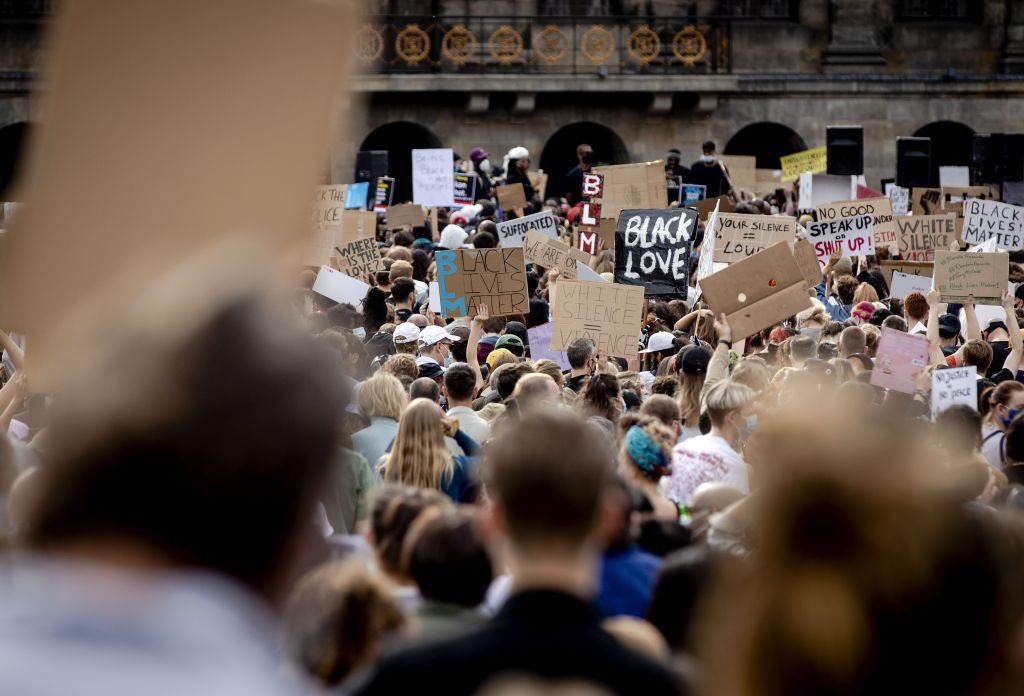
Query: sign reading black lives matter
x,y
652,249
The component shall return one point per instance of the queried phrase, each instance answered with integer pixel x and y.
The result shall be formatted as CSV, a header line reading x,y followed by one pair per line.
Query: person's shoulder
x,y
440,662
645,675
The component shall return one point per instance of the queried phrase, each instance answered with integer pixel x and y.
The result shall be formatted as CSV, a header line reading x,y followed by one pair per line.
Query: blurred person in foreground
x,y
175,513
546,480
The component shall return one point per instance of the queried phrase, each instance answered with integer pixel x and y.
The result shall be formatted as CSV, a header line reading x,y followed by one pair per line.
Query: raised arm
x,y
475,329
935,355
973,327
718,366
1012,328
17,355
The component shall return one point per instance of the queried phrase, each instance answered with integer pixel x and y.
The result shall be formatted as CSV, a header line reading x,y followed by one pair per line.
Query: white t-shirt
x,y
705,459
992,445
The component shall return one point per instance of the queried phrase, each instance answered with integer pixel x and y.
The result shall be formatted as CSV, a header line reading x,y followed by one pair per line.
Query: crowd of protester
x,y
375,499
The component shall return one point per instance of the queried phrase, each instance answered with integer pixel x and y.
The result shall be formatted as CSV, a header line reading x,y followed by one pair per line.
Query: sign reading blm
x,y
652,249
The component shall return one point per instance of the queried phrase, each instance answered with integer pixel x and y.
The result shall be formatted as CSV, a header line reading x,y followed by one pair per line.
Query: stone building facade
x,y
762,78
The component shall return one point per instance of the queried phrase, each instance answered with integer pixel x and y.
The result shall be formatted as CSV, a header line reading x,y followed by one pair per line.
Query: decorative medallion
x,y
506,45
551,44
689,46
369,44
643,45
458,44
597,44
412,44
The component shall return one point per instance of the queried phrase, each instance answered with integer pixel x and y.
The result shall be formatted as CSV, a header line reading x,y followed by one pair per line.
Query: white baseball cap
x,y
406,332
659,342
432,334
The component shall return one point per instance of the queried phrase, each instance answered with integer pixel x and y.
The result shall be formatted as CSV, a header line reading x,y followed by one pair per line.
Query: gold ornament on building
x,y
689,46
597,44
412,44
551,44
505,45
458,44
643,45
369,44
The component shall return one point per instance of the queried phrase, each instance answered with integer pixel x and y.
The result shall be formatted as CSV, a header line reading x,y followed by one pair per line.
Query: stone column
x,y
853,44
1012,59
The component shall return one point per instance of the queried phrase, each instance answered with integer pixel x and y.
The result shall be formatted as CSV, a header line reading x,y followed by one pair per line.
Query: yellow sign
x,y
794,165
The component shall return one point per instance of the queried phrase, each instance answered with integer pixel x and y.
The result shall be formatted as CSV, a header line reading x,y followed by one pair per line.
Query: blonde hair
x,y
400,254
551,369
725,397
382,396
865,293
752,372
419,456
816,313
688,397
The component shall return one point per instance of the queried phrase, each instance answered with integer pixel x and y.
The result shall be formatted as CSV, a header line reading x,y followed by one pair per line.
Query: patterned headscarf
x,y
646,453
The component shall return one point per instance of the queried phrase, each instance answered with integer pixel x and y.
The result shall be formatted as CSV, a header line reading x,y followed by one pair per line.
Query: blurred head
x,y
601,397
728,404
646,451
534,391
392,513
447,558
915,308
664,409
852,340
382,396
460,384
977,353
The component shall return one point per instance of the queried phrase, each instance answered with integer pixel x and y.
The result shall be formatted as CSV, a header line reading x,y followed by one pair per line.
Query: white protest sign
x,y
585,272
432,180
434,293
340,287
829,188
954,387
512,233
984,220
904,283
954,176
706,260
900,198
805,192
852,236
988,247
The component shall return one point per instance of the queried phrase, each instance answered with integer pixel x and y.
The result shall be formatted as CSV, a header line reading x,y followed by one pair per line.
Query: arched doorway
x,y
559,154
767,142
12,148
951,145
400,139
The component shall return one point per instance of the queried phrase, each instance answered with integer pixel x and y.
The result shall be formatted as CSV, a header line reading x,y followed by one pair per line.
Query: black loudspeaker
x,y
1013,158
371,164
913,162
845,150
981,170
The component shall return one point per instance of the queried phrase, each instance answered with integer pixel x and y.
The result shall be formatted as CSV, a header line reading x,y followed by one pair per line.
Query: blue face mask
x,y
1010,415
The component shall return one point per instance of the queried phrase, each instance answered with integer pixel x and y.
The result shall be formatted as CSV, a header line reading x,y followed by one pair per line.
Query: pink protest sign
x,y
901,358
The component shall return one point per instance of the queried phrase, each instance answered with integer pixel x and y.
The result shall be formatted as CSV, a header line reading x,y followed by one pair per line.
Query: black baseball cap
x,y
949,326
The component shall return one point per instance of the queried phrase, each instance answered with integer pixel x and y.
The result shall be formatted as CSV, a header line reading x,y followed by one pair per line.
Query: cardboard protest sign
x,y
691,193
432,182
593,185
356,224
959,194
880,209
652,249
899,197
722,203
464,188
956,386
540,346
356,195
539,182
339,286
807,261
926,201
900,359
511,196
919,268
852,236
138,129
759,291
511,233
359,258
588,242
811,161
964,277
904,283
383,194
984,220
467,278
921,235
632,186
328,204
320,245
399,216
607,313
590,214
742,171
739,236
553,253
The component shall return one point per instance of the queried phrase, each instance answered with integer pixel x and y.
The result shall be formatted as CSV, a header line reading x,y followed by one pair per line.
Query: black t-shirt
x,y
711,176
1000,349
574,184
403,314
576,383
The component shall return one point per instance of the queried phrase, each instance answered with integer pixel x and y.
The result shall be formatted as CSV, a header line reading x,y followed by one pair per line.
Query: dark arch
x,y
559,154
12,147
400,139
767,142
951,145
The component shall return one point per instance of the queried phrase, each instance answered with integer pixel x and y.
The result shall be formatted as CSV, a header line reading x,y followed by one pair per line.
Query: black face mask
x,y
588,158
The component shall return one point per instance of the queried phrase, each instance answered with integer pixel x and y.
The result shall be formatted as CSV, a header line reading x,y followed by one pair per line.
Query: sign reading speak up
x,y
606,313
467,278
851,236
962,276
652,249
738,236
880,210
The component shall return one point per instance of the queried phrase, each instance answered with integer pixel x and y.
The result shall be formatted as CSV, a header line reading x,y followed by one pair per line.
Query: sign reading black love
x,y
652,249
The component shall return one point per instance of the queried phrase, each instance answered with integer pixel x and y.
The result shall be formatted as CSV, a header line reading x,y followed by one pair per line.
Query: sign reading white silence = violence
x,y
850,236
652,249
608,314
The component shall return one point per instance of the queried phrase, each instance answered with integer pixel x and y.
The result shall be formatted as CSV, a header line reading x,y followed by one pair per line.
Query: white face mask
x,y
708,158
485,166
